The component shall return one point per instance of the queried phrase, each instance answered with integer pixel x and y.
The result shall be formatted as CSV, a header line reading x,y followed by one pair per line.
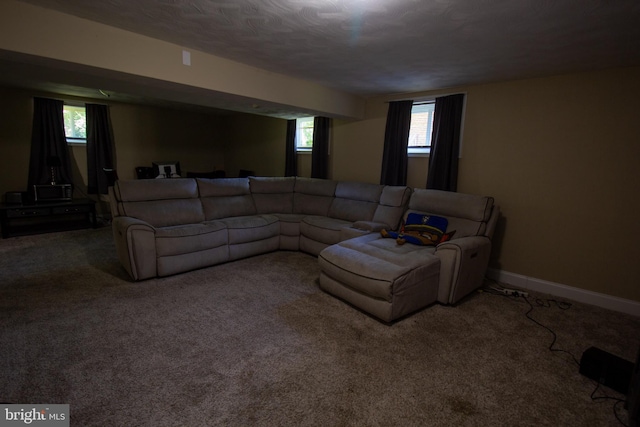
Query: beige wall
x,y
257,143
254,143
142,134
357,148
145,134
559,154
16,111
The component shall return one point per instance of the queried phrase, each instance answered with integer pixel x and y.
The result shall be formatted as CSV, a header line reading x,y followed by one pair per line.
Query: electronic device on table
x,y
52,192
166,169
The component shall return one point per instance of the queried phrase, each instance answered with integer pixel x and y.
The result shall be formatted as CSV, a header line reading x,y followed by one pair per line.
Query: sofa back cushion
x,y
313,196
272,194
468,214
393,203
225,197
355,201
160,202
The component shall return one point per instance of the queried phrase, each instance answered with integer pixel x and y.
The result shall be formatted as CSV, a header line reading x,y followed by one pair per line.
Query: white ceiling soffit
x,y
375,47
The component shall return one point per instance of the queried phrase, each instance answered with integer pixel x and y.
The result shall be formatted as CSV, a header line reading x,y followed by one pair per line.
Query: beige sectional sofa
x,y
168,226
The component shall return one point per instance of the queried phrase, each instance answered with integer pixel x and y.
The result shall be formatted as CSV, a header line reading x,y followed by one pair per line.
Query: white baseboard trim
x,y
581,295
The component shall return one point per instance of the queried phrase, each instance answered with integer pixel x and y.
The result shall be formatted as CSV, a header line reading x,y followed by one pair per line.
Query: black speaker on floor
x,y
633,398
607,369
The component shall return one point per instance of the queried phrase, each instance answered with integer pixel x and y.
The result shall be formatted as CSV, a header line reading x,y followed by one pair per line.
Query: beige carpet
x,y
255,342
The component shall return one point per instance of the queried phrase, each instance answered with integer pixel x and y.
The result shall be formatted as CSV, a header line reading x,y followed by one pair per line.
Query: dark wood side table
x,y
44,217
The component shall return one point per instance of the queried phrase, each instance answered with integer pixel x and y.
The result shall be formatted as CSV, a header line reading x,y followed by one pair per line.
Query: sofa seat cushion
x,y
376,245
190,238
379,267
251,228
323,229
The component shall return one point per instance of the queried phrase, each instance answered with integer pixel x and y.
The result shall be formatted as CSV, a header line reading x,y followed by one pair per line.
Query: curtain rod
x,y
426,97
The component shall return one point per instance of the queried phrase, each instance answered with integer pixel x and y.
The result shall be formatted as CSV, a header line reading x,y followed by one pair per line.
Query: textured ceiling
x,y
372,47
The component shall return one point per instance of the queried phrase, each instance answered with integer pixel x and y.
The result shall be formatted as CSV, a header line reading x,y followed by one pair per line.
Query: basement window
x,y
304,134
75,123
421,128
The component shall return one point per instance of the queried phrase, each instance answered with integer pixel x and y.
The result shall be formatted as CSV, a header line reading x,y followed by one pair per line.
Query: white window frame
x,y
73,140
422,151
300,124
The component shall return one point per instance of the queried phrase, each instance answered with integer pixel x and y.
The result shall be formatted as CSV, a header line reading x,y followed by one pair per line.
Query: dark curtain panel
x,y
99,148
396,138
320,151
291,158
48,144
445,143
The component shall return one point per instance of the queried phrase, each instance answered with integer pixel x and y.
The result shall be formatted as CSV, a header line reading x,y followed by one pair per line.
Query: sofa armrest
x,y
370,226
136,246
463,264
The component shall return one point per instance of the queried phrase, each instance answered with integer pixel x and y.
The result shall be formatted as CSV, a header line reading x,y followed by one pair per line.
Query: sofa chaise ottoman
x,y
390,280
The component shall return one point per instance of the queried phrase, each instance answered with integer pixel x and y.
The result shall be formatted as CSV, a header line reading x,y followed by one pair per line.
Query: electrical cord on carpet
x,y
562,305
605,397
496,289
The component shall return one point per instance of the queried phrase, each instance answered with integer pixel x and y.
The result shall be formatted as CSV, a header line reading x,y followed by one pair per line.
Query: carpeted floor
x,y
255,342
